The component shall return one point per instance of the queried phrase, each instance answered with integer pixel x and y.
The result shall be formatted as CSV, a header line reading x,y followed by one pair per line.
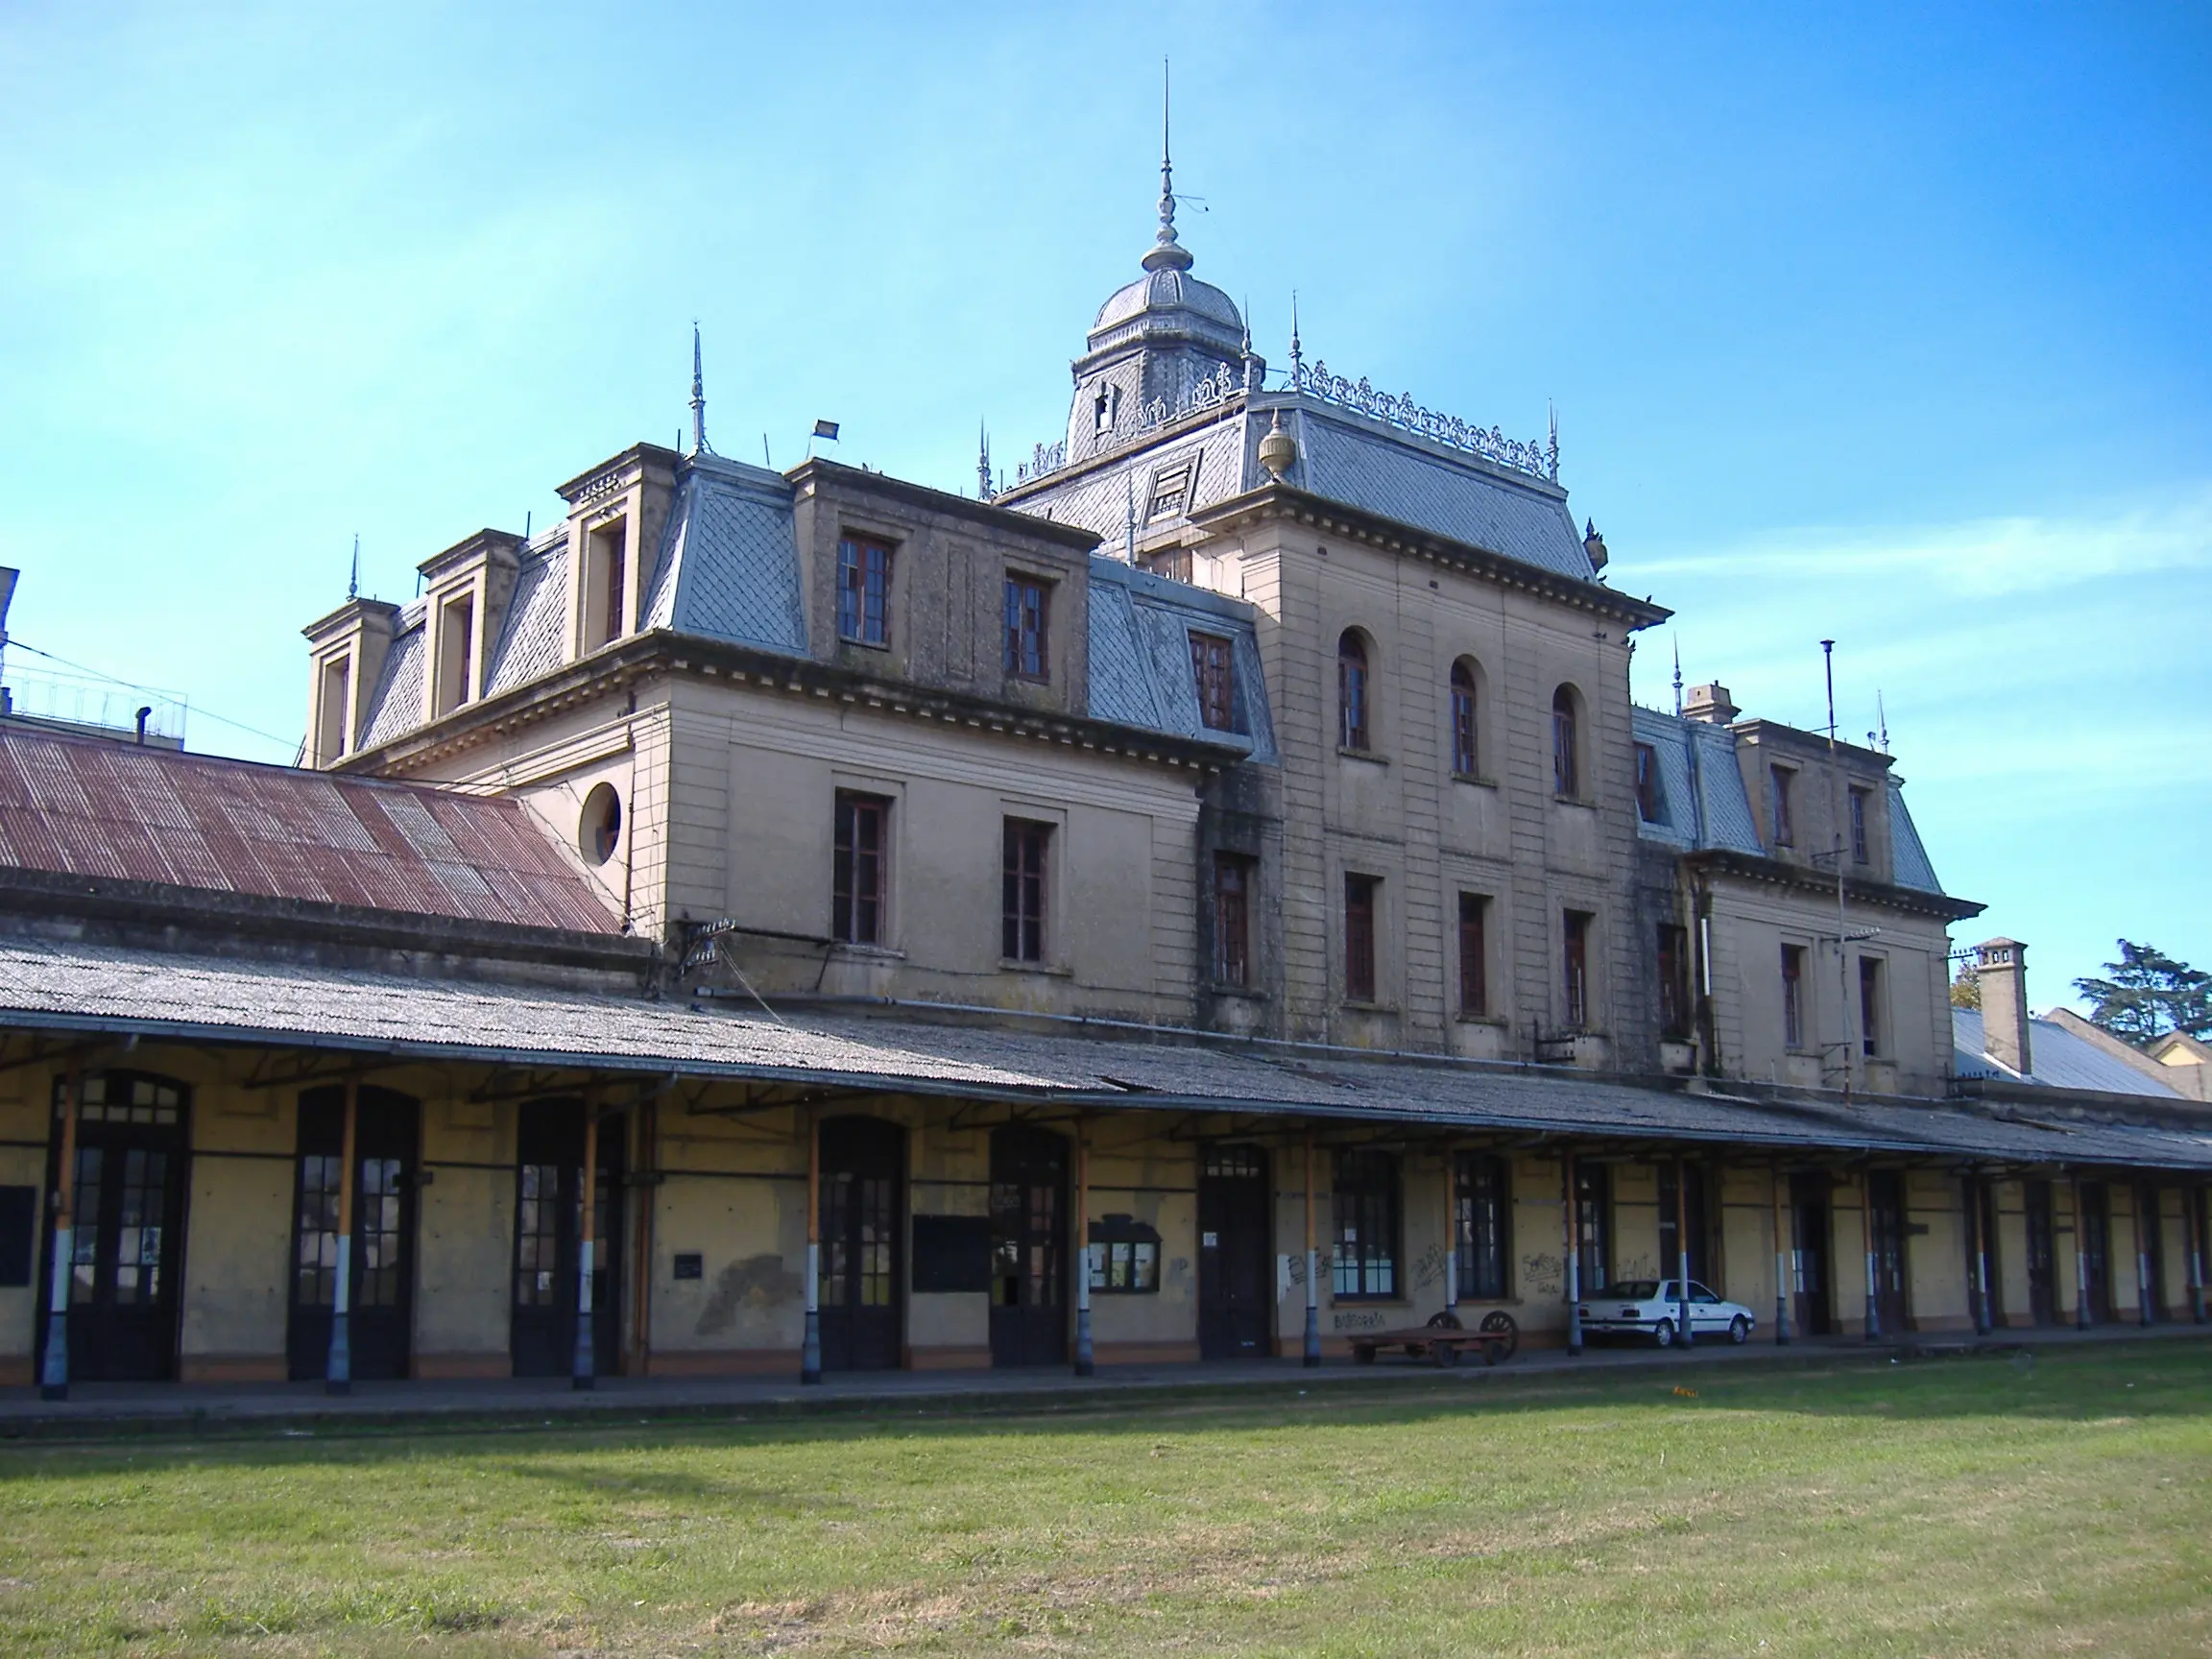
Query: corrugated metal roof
x,y
86,807
57,986
2062,1060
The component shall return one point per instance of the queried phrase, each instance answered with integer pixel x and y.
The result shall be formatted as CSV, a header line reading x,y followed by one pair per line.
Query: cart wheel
x,y
1444,1321
1501,1323
1492,1351
1365,1354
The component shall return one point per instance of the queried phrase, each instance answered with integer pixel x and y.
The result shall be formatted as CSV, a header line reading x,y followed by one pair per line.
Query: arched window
x,y
1352,689
1463,709
1566,766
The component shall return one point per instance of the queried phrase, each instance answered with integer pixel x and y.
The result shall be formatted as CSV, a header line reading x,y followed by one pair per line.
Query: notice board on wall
x,y
19,1235
951,1253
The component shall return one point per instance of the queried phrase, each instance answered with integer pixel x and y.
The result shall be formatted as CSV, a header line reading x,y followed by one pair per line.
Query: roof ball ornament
x,y
1592,544
1277,450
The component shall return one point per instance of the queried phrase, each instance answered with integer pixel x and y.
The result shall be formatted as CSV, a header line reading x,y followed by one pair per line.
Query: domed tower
x,y
1153,341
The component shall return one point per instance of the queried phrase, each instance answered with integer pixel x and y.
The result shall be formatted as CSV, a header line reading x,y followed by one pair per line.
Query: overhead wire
x,y
17,644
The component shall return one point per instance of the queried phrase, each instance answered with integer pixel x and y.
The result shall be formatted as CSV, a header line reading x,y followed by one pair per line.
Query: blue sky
x,y
1888,325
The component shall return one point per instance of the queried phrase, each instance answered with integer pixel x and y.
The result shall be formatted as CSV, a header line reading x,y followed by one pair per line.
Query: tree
x,y
2148,995
1966,987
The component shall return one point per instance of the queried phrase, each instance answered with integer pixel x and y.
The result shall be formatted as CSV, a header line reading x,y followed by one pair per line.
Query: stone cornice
x,y
826,475
1781,873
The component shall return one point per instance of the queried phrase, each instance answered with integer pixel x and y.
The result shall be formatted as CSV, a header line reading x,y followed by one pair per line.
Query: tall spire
x,y
1167,254
982,461
1677,676
1297,357
353,581
698,396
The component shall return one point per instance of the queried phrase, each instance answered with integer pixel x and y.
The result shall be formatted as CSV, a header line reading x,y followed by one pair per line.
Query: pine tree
x,y
1966,987
2148,995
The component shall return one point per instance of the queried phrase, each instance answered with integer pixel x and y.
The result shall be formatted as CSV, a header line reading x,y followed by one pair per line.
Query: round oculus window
x,y
600,831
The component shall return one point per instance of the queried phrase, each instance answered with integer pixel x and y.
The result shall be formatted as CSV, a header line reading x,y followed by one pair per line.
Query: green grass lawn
x,y
1988,1505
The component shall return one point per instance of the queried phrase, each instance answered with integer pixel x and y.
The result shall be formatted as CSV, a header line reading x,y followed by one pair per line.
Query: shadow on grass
x,y
2138,1380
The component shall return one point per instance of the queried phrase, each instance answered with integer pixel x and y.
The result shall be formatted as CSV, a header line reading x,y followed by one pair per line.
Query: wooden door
x,y
864,1262
387,1126
1885,1239
1236,1245
2042,1253
1812,1309
1029,1246
548,1219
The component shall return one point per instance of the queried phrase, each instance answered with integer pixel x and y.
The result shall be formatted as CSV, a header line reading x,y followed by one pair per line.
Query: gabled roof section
x,y
530,644
729,566
78,806
1140,657
2062,1060
395,706
1702,807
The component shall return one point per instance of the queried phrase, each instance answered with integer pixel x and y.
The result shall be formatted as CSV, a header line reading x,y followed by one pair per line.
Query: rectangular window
x,y
1482,1225
1027,615
1778,781
456,652
1566,767
1124,1257
1870,1005
1859,852
1213,665
1364,1212
1592,1236
1022,938
1170,489
1794,995
1360,938
1648,783
334,734
1473,955
863,591
605,577
1576,944
1231,918
860,868
1673,982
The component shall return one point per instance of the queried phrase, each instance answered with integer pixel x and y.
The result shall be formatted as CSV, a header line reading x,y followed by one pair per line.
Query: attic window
x,y
332,724
606,584
1213,665
456,653
1648,783
1103,410
1171,491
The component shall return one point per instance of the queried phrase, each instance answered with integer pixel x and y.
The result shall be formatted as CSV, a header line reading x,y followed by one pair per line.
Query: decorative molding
x,y
1215,390
1538,460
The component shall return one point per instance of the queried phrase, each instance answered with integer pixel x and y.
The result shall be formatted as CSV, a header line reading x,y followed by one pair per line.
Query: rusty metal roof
x,y
87,807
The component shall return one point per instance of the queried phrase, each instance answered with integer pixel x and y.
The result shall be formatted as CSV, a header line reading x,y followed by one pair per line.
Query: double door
x,y
1236,1279
380,1299
863,1270
1811,1307
2094,1235
126,1244
1029,1246
1886,1243
548,1223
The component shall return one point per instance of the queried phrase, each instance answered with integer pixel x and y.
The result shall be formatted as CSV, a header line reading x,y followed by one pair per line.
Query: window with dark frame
x,y
1870,1006
1566,764
1482,1225
1124,1257
1574,931
863,591
1593,1230
1648,783
1364,1215
1170,489
1352,689
1859,849
1027,846
1359,937
1794,995
1778,781
1213,666
1233,876
1029,605
858,868
1673,982
1474,956
1463,710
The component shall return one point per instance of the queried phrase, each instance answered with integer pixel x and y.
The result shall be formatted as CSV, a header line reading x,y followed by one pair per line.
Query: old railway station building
x,y
1207,896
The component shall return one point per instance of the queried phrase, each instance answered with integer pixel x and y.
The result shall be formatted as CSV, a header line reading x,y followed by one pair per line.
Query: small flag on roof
x,y
825,429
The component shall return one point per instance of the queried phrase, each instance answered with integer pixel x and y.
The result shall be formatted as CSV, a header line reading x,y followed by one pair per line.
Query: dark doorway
x,y
1029,1246
548,1217
385,1138
1984,1287
1885,1239
863,1266
2095,1225
1671,1210
2042,1253
1592,1231
126,1241
2151,1235
1236,1280
1812,1306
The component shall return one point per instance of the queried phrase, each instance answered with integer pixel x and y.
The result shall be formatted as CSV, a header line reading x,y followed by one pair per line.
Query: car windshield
x,y
1636,1289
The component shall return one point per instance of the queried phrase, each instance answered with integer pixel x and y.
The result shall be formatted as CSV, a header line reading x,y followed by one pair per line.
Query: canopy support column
x,y
338,1365
54,1375
1312,1268
1784,1259
1873,1321
584,1369
2081,1258
1084,1366
1573,1255
811,1348
1682,1252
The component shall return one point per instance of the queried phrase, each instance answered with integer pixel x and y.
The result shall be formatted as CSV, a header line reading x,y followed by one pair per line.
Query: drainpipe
x,y
54,1376
1574,1257
582,1373
1783,1254
1083,1357
1984,1320
1866,1228
2081,1259
810,1349
1312,1269
1682,1252
338,1368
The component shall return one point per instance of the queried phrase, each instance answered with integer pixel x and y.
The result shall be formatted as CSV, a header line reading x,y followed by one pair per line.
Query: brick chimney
x,y
1710,703
2001,970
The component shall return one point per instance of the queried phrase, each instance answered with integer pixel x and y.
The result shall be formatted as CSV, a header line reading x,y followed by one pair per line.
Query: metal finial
x,y
1130,479
1296,356
698,395
982,461
1551,454
1167,254
1677,677
353,581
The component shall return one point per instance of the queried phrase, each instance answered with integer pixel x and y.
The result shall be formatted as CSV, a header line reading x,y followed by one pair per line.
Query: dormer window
x,y
333,736
1860,851
1213,665
606,584
1778,782
864,591
456,647
1104,408
1171,491
1648,783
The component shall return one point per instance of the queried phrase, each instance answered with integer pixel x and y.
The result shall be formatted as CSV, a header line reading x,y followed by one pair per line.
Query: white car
x,y
1650,1307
